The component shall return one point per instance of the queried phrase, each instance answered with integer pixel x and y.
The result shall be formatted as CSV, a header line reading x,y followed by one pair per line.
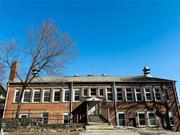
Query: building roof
x,y
4,86
98,79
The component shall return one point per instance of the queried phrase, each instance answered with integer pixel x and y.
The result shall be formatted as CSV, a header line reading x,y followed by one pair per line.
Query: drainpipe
x,y
115,106
70,103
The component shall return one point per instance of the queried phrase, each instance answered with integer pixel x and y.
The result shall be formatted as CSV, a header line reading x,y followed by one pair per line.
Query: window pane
x,y
109,94
93,92
37,96
45,118
152,119
47,96
121,118
26,96
67,95
17,96
66,118
85,91
119,94
101,93
57,95
166,94
77,95
142,120
157,94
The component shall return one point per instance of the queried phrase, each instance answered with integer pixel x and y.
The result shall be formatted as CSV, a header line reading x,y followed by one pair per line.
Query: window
x,y
166,94
85,92
76,94
152,118
171,119
36,96
23,115
129,94
109,94
138,95
26,96
45,117
93,91
157,94
141,119
66,118
148,95
101,92
66,95
46,95
119,94
57,95
121,119
16,96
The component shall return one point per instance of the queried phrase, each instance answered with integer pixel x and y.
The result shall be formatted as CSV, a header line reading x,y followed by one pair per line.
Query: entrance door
x,y
132,122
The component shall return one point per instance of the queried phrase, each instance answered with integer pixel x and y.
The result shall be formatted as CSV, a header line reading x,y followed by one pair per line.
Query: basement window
x,y
23,115
26,96
171,119
152,118
66,118
45,116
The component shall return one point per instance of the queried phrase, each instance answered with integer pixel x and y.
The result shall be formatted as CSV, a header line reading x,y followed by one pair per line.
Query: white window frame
x,y
74,95
118,118
54,90
148,92
14,99
64,90
107,95
135,90
142,126
149,119
21,114
67,114
29,97
155,94
43,95
87,92
168,94
99,89
170,114
131,93
33,95
117,96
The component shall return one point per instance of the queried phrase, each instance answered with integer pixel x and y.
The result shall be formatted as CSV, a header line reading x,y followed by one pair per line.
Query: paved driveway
x,y
129,132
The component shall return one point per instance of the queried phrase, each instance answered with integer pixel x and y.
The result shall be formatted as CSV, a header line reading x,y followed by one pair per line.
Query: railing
x,y
105,112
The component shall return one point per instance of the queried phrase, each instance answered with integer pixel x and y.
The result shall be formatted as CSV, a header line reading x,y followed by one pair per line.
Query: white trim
x,y
155,94
135,94
43,96
148,92
6,100
77,89
142,126
15,92
26,114
149,119
64,90
34,90
23,96
54,90
118,118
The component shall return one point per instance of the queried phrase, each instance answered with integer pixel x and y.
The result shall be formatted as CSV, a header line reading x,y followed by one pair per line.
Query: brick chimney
x,y
13,71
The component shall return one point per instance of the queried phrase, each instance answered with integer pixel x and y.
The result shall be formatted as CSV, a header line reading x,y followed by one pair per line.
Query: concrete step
x,y
99,126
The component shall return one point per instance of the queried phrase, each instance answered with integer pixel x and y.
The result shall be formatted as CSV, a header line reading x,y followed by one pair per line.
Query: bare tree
x,y
47,51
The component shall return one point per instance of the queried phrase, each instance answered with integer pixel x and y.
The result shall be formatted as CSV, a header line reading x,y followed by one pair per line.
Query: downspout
x,y
115,107
70,103
7,93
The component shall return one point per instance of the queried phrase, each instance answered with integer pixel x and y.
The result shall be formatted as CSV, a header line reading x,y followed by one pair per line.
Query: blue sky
x,y
116,37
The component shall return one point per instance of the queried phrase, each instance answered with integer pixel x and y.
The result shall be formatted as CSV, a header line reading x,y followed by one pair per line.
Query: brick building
x,y
137,101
